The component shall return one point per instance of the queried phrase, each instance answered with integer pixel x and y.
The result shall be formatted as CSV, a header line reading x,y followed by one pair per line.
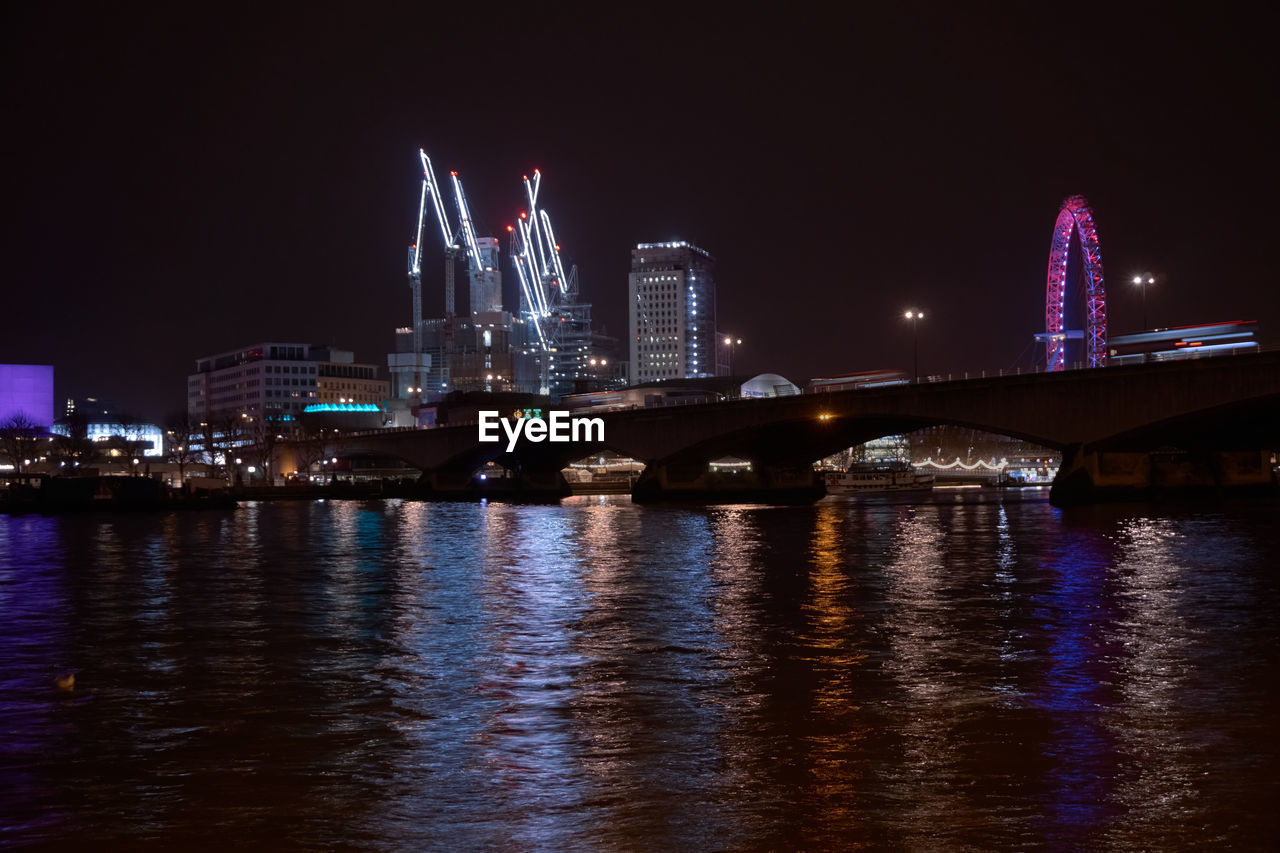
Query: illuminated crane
x,y
481,252
451,248
482,257
543,283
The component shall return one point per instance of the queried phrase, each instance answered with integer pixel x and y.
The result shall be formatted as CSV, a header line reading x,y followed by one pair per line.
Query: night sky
x,y
183,181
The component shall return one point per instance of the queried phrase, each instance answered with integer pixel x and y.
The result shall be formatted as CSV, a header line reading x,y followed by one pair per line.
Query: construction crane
x,y
451,248
482,256
543,282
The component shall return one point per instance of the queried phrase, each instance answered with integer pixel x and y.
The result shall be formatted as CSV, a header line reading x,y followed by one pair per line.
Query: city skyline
x,y
187,186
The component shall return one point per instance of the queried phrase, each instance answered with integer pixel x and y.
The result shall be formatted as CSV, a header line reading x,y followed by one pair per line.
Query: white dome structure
x,y
768,385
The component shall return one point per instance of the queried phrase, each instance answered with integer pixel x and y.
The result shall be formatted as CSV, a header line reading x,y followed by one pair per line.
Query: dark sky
x,y
187,179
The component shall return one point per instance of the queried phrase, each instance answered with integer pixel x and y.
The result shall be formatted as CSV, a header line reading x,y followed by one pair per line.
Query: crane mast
x,y
447,234
543,282
415,271
482,256
430,189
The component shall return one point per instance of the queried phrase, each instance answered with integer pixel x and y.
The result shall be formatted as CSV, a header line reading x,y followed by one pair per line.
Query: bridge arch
x,y
806,440
1075,216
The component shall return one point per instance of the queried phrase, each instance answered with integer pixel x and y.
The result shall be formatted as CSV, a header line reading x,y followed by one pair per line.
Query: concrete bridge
x,y
1124,431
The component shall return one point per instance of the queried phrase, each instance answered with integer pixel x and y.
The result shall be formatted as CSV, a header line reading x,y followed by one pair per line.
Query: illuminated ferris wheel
x,y
1075,217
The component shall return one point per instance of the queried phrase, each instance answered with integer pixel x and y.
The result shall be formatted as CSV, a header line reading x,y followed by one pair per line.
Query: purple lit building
x,y
27,388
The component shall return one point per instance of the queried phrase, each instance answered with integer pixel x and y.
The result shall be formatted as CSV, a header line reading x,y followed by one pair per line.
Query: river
x,y
977,670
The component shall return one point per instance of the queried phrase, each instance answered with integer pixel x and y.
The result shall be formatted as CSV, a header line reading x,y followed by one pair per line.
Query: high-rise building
x,y
486,285
569,352
480,357
672,296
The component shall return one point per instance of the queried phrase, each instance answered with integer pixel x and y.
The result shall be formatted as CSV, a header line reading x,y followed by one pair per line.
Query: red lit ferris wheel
x,y
1075,217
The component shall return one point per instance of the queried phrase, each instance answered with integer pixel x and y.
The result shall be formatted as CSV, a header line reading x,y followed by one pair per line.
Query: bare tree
x,y
75,447
181,435
308,449
232,432
211,447
130,440
267,431
19,437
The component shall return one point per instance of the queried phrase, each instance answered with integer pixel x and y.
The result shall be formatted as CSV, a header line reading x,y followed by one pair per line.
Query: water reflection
x,y
1075,605
973,673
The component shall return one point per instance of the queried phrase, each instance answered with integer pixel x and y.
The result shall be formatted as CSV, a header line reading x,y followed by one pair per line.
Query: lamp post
x,y
732,343
1144,281
915,317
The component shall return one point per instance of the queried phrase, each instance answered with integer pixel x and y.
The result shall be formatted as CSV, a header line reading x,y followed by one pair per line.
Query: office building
x,y
272,378
672,297
340,380
414,372
276,379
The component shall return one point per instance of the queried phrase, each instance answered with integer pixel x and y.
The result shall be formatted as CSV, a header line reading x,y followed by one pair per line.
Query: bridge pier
x,y
1090,476
694,481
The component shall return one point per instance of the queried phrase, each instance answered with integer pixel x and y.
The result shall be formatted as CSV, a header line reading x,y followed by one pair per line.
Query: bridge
x,y
1123,431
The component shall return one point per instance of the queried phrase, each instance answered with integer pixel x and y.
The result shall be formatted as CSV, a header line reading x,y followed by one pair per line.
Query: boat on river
x,y
888,476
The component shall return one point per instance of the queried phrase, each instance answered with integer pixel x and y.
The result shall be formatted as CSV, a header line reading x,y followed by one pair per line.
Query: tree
x,y
130,440
75,447
181,436
231,431
308,449
19,437
211,447
266,432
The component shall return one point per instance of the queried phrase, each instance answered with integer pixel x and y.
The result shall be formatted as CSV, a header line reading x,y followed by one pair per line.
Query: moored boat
x,y
878,477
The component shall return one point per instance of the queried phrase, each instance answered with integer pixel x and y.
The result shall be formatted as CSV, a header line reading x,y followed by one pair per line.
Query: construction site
x,y
547,347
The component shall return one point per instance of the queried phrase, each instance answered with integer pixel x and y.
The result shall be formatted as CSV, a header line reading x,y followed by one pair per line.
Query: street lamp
x,y
1144,281
915,317
732,343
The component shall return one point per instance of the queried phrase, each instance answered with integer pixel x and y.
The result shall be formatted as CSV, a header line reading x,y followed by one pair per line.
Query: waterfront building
x,y
671,294
271,378
276,379
27,390
341,380
118,436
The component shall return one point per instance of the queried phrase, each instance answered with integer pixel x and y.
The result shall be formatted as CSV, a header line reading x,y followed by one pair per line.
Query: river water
x,y
976,671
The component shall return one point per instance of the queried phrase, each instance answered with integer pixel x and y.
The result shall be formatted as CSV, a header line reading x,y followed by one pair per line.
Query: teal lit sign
x,y
341,407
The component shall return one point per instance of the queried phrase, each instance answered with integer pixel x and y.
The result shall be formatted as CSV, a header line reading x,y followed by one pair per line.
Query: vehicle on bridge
x,y
1207,339
852,381
636,398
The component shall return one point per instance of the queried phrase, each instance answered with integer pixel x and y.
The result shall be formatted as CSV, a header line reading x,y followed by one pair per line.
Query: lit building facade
x,y
574,356
486,286
275,379
671,293
147,437
27,390
411,371
340,380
